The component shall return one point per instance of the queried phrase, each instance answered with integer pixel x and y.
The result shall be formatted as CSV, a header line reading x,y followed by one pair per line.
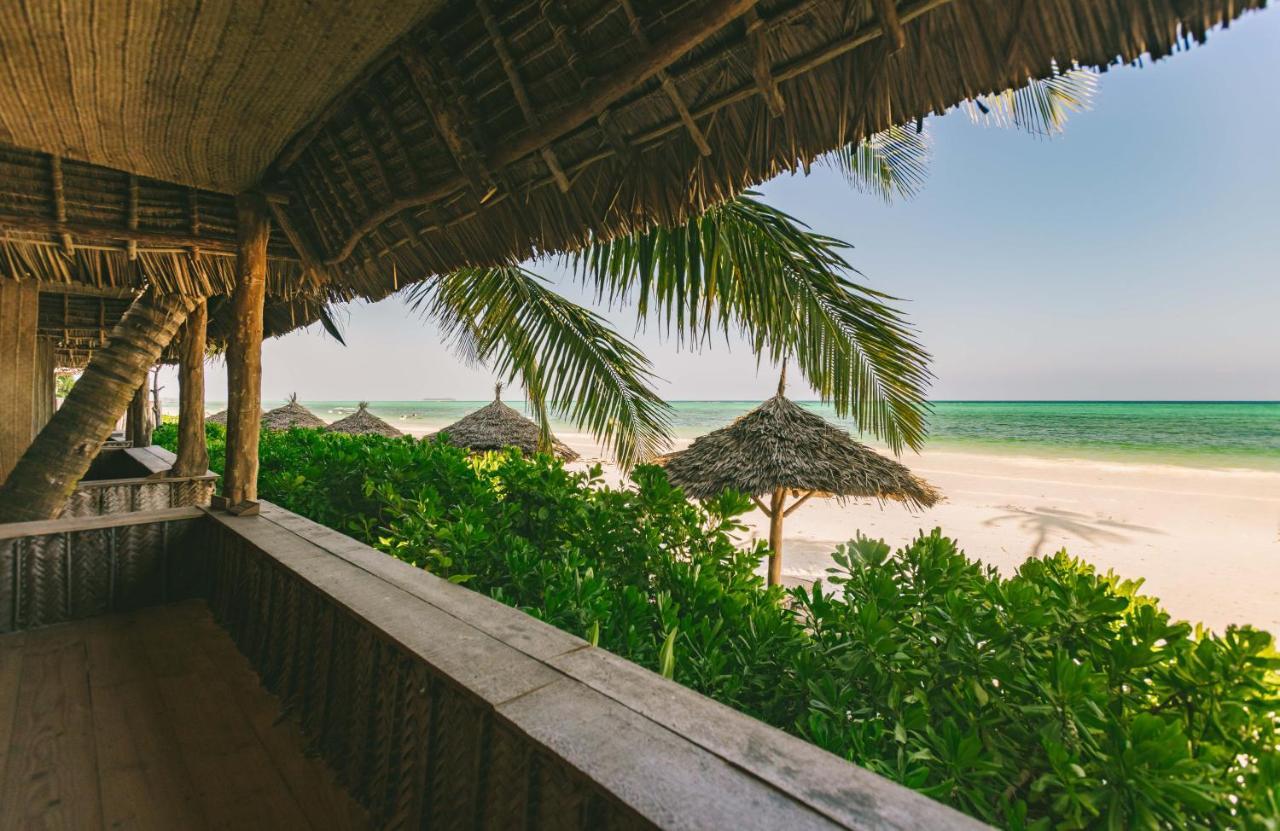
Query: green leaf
x,y
744,267
667,655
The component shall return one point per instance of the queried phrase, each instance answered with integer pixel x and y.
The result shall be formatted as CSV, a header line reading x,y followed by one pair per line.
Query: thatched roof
x,y
291,414
497,426
400,140
362,421
781,445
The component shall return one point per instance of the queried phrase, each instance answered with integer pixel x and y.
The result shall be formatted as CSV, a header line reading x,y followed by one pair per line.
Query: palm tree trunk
x,y
193,450
136,423
55,462
776,515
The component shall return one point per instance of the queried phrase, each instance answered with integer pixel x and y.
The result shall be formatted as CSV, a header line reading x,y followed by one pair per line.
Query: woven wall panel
x,y
57,577
96,499
416,748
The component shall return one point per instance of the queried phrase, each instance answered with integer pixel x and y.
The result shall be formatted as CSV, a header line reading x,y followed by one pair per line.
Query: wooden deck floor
x,y
151,720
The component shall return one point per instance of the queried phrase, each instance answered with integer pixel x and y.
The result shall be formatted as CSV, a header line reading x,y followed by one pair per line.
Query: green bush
x,y
1058,697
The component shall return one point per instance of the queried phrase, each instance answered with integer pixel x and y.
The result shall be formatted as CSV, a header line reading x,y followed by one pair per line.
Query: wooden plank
x,y
11,650
51,777
236,786
144,781
325,803
654,771
156,465
42,527
845,793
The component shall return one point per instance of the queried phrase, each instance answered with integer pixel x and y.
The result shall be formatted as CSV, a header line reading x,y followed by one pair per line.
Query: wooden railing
x,y
439,706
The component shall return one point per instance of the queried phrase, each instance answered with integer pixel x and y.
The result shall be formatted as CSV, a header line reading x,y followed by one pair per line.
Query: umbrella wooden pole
x,y
776,515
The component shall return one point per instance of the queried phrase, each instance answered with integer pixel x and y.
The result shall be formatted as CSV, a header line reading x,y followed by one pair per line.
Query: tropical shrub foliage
x,y
1055,698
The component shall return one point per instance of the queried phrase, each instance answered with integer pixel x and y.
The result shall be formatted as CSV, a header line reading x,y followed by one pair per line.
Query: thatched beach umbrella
x,y
292,414
779,448
362,421
497,426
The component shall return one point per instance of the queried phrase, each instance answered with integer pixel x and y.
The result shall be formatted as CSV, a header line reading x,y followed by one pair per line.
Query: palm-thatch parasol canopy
x,y
292,414
780,448
496,426
361,422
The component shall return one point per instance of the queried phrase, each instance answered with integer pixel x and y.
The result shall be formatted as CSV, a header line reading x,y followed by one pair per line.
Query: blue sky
x,y
1134,257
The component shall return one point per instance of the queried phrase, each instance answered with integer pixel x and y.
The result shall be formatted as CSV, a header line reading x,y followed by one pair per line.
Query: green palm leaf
x,y
1042,107
748,268
569,359
892,164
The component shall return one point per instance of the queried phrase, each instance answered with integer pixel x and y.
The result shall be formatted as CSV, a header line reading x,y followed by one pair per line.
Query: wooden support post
x,y
777,512
244,350
193,453
55,462
137,429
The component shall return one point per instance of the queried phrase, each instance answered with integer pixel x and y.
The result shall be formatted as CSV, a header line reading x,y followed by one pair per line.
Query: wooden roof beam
x,y
518,89
887,11
312,268
452,118
709,18
668,85
566,36
60,202
105,230
763,71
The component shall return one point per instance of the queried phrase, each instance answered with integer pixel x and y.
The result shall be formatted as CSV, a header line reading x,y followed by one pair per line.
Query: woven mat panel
x,y
58,577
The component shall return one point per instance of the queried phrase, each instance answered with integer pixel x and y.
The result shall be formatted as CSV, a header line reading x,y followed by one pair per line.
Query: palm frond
x,y
569,359
1042,107
893,164
746,267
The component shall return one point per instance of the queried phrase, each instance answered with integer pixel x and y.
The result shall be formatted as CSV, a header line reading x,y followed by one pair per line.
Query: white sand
x,y
1207,541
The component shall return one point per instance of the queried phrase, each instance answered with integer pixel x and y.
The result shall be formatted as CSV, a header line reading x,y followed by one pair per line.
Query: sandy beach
x,y
1207,541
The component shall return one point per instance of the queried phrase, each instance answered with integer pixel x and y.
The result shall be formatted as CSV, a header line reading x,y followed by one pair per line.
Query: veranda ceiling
x,y
197,92
402,140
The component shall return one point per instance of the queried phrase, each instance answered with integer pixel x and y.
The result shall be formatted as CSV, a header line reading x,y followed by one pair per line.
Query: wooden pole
x,y
157,411
137,430
55,462
244,350
776,515
193,453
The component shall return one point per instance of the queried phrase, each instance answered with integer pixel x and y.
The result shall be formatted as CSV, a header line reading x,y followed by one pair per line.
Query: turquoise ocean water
x,y
1201,434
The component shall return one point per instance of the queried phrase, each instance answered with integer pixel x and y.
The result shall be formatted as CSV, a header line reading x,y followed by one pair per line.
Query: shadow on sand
x,y
1043,522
